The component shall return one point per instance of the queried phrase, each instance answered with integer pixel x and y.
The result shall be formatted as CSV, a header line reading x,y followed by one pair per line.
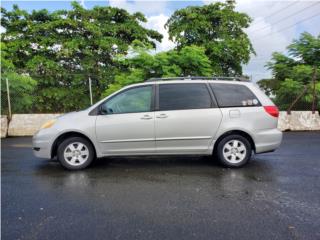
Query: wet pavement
x,y
276,196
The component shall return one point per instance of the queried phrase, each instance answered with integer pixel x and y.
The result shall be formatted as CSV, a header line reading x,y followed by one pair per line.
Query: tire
x,y
234,151
75,153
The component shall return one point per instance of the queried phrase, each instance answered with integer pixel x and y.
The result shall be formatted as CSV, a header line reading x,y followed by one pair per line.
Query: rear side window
x,y
183,96
234,95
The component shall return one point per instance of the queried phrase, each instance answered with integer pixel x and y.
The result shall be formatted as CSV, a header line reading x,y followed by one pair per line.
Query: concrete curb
x,y
27,124
4,126
299,121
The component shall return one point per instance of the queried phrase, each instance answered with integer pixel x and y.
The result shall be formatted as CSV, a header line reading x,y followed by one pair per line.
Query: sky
x,y
275,23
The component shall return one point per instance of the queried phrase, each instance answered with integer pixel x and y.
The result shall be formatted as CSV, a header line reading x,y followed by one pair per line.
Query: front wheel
x,y
234,151
75,153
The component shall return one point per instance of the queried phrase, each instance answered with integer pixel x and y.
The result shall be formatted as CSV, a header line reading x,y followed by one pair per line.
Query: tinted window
x,y
234,95
132,100
183,96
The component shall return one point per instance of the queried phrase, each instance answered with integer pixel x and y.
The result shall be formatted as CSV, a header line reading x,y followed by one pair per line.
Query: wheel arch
x,y
66,135
238,132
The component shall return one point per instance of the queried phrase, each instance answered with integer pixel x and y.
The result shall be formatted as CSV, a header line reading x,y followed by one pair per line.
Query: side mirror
x,y
103,110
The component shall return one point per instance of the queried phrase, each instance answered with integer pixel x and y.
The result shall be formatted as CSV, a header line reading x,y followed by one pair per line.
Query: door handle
x,y
162,115
146,117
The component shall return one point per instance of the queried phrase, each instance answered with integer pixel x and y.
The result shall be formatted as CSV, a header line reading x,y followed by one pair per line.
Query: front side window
x,y
234,95
183,96
130,101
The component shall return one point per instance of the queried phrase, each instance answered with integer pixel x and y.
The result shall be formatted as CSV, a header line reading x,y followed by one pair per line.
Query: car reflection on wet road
x,y
276,196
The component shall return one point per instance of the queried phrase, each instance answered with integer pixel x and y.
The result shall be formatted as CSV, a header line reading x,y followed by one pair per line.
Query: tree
x,y
21,86
62,49
295,75
307,50
219,29
189,60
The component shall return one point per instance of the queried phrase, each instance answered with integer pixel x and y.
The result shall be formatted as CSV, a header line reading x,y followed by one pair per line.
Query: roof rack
x,y
240,79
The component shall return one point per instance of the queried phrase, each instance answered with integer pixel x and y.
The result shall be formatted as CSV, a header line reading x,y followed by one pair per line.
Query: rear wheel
x,y
75,153
234,151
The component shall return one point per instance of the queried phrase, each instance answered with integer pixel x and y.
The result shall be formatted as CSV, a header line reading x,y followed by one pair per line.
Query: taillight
x,y
272,110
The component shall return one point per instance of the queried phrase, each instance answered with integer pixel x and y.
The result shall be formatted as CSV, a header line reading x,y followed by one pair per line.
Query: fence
x,y
80,95
297,103
16,98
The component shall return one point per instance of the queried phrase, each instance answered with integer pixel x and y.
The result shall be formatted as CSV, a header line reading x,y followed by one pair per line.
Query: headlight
x,y
48,124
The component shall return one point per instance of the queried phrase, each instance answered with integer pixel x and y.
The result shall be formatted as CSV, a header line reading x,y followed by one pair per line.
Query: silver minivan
x,y
228,119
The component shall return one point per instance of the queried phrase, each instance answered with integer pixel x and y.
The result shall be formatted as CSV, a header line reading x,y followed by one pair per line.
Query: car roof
x,y
240,79
190,81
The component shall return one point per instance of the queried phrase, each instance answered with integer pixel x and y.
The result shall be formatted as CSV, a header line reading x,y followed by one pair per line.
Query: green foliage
x,y
123,79
292,73
62,49
291,86
190,60
268,86
219,29
52,55
20,86
306,49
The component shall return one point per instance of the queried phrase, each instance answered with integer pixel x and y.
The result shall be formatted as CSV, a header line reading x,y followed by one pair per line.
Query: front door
x,y
127,125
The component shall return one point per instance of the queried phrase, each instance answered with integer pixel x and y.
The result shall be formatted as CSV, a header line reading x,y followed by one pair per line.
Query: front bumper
x,y
267,140
42,143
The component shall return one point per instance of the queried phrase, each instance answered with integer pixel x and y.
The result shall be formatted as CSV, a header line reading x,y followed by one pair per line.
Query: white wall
x,y
299,121
4,126
27,124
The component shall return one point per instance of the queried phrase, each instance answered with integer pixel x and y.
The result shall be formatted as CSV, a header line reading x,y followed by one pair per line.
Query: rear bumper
x,y
267,140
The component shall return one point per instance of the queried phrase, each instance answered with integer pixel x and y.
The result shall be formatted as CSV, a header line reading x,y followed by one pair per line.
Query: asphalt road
x,y
276,196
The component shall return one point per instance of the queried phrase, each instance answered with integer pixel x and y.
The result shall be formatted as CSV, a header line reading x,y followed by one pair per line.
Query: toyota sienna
x,y
227,118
